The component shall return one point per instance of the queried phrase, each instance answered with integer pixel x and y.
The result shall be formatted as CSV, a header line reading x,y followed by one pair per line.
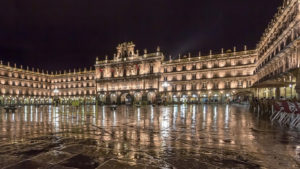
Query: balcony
x,y
149,75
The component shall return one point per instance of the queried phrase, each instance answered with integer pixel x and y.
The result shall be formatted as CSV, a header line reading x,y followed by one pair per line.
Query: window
x,y
194,77
151,69
194,67
165,78
194,87
165,70
183,77
240,83
183,68
215,85
174,88
112,74
249,83
174,69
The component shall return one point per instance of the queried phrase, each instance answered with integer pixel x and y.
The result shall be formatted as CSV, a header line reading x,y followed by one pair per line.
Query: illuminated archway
x,y
138,97
151,97
126,98
113,98
102,98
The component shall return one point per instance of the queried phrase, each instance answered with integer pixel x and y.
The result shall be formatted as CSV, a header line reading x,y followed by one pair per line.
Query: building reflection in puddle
x,y
204,109
156,130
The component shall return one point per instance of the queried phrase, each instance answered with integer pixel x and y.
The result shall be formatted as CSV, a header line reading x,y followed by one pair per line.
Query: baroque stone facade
x,y
129,76
149,77
24,86
271,70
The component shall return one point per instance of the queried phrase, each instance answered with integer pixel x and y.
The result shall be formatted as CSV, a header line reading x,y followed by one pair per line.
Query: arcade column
x,y
297,87
277,93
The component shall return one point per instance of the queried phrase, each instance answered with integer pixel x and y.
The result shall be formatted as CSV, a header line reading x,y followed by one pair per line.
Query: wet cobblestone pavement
x,y
180,136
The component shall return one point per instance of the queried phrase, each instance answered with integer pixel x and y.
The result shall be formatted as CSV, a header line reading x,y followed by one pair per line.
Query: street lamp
x,y
165,85
56,91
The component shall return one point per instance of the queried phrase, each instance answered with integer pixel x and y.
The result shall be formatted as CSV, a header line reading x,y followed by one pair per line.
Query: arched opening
x,y
64,101
242,97
151,97
175,98
102,98
194,98
50,101
184,98
215,98
126,98
204,98
113,98
26,100
138,97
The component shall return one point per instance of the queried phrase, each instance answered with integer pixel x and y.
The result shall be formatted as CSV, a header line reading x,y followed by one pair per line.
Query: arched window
x,y
151,69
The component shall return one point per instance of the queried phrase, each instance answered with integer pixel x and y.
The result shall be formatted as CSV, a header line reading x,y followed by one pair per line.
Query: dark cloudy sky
x,y
63,34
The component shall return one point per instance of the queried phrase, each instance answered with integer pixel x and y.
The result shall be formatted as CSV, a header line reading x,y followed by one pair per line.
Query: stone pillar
x,y
107,99
277,93
297,87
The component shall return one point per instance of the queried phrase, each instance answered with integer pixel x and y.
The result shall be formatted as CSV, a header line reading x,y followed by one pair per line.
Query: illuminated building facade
x,y
129,76
271,70
24,86
149,77
208,78
277,67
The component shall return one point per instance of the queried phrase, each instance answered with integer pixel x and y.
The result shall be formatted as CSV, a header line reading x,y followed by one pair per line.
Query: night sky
x,y
63,34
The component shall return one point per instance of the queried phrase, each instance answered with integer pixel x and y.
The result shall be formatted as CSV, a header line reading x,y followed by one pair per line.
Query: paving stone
x,y
80,161
27,164
52,157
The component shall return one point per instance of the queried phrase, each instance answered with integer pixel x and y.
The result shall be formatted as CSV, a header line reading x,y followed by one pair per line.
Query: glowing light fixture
x,y
165,84
56,91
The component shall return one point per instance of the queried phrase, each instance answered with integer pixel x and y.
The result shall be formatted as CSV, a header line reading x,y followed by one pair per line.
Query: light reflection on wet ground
x,y
180,136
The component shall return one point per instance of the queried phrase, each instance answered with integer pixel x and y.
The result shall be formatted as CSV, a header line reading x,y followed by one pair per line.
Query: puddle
x,y
179,136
